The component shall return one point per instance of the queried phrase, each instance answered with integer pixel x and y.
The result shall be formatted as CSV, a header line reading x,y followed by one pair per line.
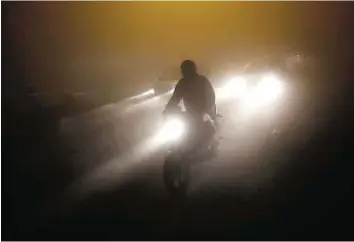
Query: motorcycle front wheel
x,y
175,176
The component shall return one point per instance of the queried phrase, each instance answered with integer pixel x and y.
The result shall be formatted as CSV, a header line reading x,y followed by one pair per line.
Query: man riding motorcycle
x,y
198,97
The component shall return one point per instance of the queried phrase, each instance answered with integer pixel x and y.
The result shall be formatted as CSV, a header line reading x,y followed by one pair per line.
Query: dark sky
x,y
78,45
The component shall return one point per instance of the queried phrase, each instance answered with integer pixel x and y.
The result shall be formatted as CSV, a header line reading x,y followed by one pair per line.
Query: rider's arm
x,y
210,96
176,96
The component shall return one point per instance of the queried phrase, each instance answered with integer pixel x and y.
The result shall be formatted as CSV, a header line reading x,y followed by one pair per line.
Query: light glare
x,y
235,88
267,91
171,130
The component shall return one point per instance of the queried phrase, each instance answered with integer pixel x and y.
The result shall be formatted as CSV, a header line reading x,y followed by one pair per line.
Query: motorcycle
x,y
188,142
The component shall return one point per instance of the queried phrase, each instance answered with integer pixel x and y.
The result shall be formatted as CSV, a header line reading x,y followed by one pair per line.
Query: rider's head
x,y
188,68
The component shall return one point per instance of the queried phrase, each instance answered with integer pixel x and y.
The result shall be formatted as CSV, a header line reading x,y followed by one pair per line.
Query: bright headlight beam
x,y
239,86
235,88
149,92
267,91
270,85
270,88
172,130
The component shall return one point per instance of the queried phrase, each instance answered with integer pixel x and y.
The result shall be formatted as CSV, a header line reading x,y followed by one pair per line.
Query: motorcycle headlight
x,y
173,129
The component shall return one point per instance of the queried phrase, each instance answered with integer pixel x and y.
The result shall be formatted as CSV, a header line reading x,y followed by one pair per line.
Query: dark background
x,y
112,49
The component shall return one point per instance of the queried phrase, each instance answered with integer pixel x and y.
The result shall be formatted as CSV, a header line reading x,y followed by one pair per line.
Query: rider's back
x,y
198,94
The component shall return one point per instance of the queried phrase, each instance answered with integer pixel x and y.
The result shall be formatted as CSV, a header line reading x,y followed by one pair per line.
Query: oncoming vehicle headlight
x,y
270,87
236,87
172,129
267,91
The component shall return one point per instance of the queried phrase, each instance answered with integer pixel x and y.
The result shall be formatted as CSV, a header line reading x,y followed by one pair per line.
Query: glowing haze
x,y
71,46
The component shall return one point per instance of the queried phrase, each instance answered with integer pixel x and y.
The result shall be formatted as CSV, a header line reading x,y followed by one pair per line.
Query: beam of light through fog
x,y
238,150
144,38
113,172
145,94
125,107
106,175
